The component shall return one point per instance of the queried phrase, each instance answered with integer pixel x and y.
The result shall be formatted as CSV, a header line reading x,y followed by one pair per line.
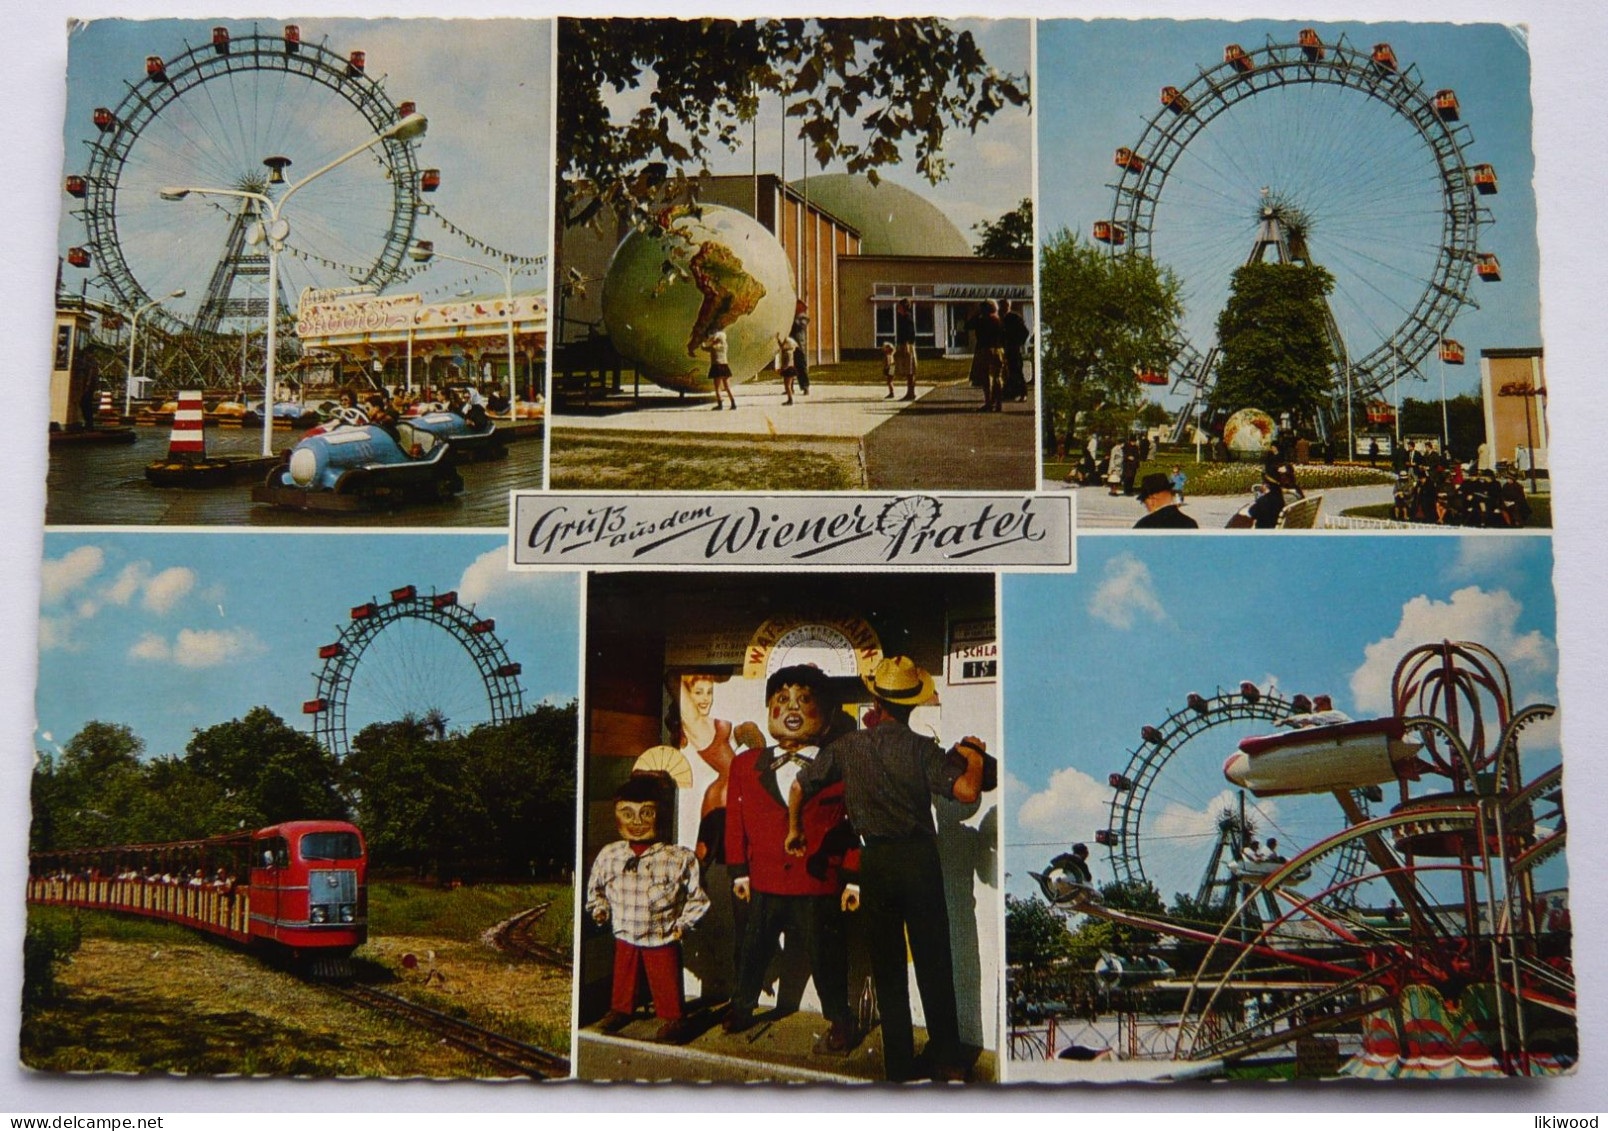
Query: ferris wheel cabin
x,y
1451,351
1384,57
1107,231
1235,56
1489,267
1129,160
1446,106
1311,45
1485,179
1174,100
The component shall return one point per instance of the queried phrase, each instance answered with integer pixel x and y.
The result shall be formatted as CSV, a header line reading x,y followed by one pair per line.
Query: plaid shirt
x,y
648,897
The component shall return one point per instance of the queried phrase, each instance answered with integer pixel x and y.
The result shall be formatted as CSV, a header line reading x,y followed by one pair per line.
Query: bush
x,y
48,943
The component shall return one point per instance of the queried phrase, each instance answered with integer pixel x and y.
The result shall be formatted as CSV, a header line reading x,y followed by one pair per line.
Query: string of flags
x,y
530,261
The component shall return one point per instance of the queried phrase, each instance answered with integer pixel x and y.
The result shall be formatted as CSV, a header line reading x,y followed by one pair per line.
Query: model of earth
x,y
1250,431
704,268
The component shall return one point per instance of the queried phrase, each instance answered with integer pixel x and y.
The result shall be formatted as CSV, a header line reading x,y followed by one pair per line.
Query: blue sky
x,y
483,85
1339,156
1094,656
989,171
170,632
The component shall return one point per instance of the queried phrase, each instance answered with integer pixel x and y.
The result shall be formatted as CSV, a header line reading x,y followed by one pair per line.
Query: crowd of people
x,y
1446,493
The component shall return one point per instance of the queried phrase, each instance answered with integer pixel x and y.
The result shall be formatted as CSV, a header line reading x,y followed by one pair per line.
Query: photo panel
x,y
302,806
714,945
1259,830
314,215
1291,275
794,254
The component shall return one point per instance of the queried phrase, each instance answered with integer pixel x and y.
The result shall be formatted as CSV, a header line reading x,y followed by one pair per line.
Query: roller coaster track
x,y
516,1057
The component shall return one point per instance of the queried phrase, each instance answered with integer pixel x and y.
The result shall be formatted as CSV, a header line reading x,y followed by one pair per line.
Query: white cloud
x,y
56,634
1473,614
488,580
167,588
129,580
60,576
1482,558
208,648
1126,593
151,648
1070,809
198,648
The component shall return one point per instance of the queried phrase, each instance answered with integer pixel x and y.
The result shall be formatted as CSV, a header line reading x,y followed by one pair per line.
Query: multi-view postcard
x,y
464,645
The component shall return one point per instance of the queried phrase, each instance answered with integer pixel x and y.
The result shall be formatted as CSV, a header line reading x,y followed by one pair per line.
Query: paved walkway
x,y
942,442
1099,509
840,411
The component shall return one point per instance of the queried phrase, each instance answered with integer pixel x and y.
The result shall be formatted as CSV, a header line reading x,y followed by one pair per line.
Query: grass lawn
x,y
1207,478
599,459
869,372
463,913
1540,512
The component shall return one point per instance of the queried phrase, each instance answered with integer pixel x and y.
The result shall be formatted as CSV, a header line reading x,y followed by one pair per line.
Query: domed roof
x,y
892,220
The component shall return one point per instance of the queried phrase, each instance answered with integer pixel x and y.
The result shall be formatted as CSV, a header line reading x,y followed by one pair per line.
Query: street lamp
x,y
275,231
423,251
134,336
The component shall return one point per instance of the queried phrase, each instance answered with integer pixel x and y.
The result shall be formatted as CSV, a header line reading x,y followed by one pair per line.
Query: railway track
x,y
514,1056
517,935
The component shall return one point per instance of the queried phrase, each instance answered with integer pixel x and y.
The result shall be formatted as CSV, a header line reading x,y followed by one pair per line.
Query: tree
x,y
899,79
1105,318
1465,419
1009,237
268,771
1275,349
1034,934
81,799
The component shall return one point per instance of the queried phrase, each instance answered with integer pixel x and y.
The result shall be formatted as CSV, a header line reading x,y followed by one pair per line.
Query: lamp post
x,y
275,230
423,251
134,336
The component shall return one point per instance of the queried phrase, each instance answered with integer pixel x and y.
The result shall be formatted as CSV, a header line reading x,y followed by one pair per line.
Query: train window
x,y
274,853
331,846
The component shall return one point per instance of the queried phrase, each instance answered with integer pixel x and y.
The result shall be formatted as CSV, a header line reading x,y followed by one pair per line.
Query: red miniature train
x,y
296,888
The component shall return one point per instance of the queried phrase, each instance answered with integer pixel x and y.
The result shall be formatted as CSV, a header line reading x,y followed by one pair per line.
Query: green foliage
x,y
499,799
1009,237
1034,934
1275,347
264,771
49,941
899,79
1104,318
1465,421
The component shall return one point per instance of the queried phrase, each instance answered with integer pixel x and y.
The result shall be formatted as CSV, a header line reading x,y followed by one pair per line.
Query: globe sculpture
x,y
1250,431
703,268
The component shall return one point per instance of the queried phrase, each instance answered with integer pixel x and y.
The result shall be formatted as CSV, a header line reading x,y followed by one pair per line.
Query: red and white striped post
x,y
107,412
187,440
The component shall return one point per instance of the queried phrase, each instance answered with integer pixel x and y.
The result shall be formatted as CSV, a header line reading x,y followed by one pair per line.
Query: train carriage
x,y
296,888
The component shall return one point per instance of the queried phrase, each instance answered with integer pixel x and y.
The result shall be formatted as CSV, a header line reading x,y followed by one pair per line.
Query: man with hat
x,y
890,775
1161,506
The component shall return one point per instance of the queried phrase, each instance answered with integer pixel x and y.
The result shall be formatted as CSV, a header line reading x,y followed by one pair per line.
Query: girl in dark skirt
x,y
719,371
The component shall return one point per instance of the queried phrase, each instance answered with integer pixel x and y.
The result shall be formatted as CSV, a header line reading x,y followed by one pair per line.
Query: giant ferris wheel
x,y
417,654
247,112
1317,153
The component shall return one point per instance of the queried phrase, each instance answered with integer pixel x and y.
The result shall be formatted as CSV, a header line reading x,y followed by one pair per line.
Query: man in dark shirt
x,y
1161,509
890,775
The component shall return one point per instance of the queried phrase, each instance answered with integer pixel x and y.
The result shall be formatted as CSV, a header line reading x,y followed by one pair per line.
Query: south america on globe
x,y
698,268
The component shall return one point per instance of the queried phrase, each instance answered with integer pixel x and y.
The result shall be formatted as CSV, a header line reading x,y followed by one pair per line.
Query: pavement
x,y
841,411
1097,508
939,441
781,1047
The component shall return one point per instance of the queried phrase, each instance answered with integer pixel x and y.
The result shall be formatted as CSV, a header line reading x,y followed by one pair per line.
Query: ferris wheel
x,y
245,112
1169,800
1318,153
418,654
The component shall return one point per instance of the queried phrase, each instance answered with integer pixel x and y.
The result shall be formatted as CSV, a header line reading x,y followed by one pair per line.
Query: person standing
x,y
890,775
904,346
800,333
719,370
1013,328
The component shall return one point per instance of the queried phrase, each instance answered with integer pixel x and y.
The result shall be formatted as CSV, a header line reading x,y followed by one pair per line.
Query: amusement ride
x,y
1409,939
1307,152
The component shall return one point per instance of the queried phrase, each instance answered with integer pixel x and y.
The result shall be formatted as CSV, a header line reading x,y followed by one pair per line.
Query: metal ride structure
x,y
427,635
234,113
1332,154
1466,972
1152,769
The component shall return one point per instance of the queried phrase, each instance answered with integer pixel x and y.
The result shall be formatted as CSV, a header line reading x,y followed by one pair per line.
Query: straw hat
x,y
899,679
